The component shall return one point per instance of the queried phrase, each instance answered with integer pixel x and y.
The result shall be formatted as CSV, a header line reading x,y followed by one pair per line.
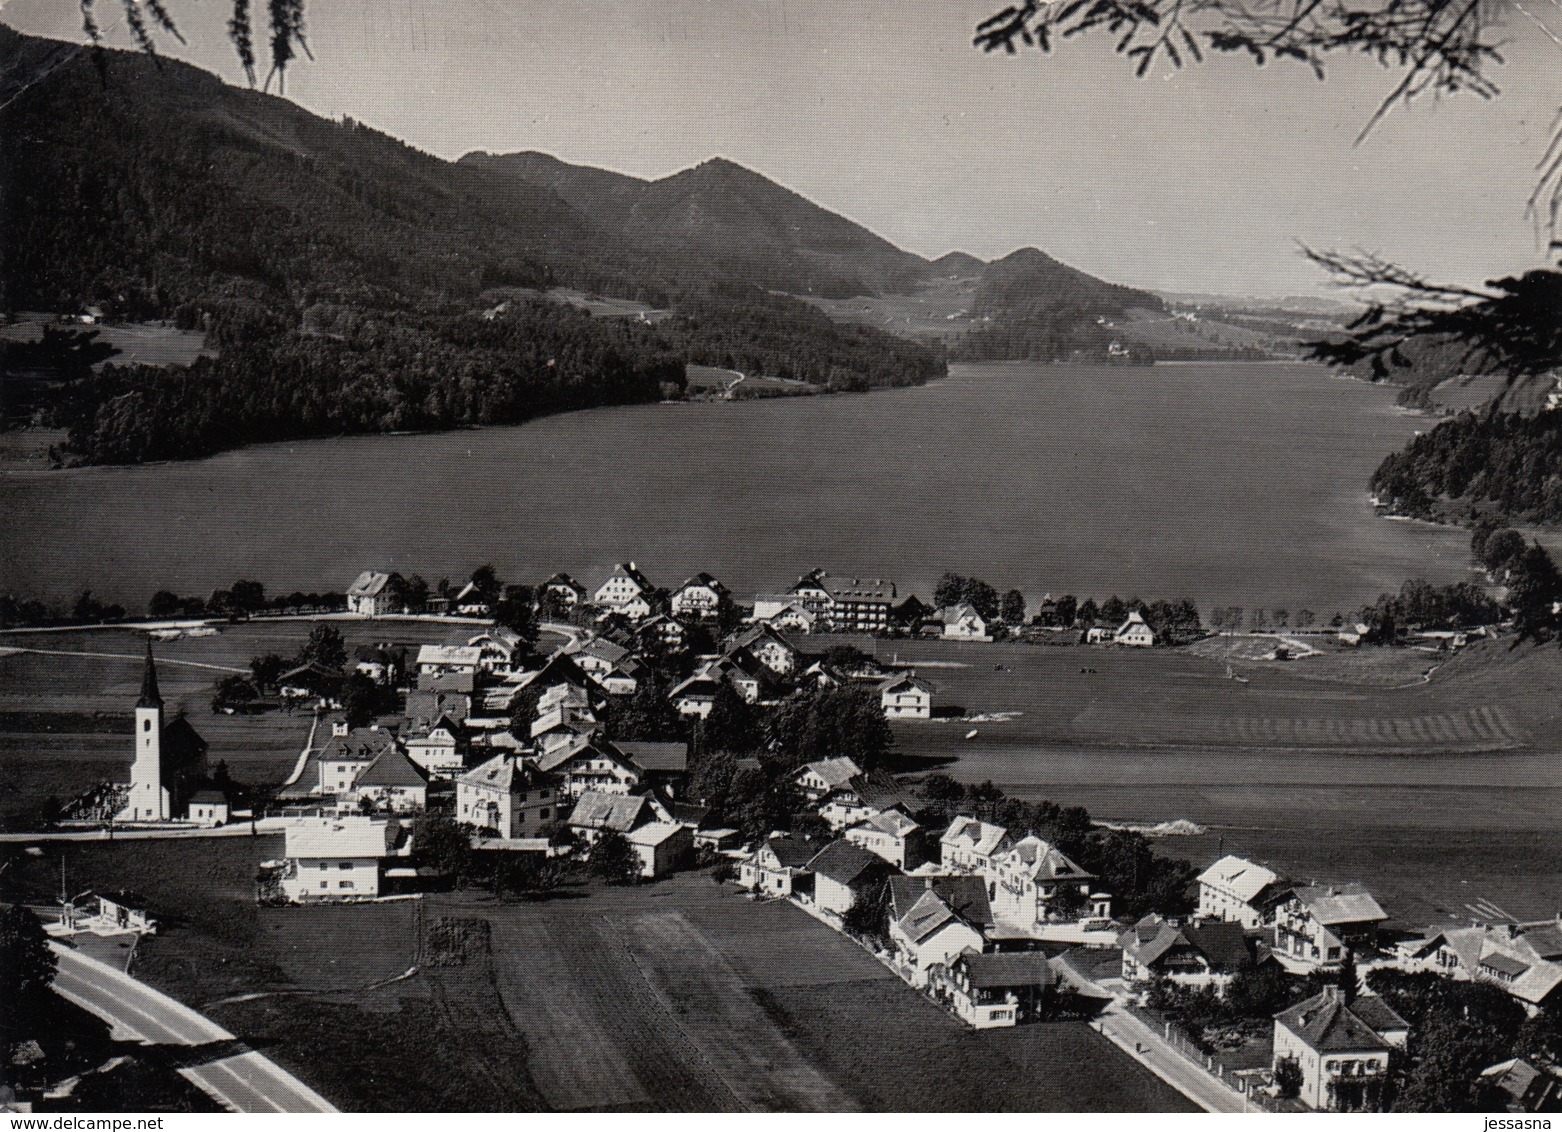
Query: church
x,y
170,762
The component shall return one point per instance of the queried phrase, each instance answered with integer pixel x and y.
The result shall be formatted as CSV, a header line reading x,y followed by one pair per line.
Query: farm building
x,y
371,594
843,874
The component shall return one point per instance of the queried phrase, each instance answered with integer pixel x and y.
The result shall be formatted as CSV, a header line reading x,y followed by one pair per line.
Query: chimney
x,y
927,883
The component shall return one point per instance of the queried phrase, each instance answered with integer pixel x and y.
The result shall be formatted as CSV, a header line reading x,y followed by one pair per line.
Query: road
x,y
1158,1056
236,1077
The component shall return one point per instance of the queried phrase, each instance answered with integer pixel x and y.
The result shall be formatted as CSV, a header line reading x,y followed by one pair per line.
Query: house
x,y
470,601
499,650
311,679
1236,889
440,748
1523,959
564,591
662,766
1342,1049
963,623
768,647
934,919
861,797
461,683
700,597
695,696
336,859
509,796
1317,925
821,675
663,632
371,594
425,707
893,836
818,779
662,846
1520,1086
785,615
626,587
344,757
779,867
1033,883
169,763
624,679
843,874
910,613
589,765
1196,954
448,660
209,808
858,605
989,991
1134,632
596,813
597,656
906,697
971,846
392,783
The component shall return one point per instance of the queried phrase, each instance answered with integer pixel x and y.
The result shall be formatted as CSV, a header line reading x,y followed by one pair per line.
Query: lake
x,y
1228,483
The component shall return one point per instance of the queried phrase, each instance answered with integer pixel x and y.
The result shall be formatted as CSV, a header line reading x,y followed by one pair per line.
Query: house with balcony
x,y
971,846
892,835
626,591
905,697
818,779
392,783
1341,1048
1197,954
768,647
1316,926
989,991
1033,883
933,919
331,860
700,598
440,748
1524,959
371,594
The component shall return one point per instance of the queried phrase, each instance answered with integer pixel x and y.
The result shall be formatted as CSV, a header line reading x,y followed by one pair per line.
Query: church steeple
x,y
149,694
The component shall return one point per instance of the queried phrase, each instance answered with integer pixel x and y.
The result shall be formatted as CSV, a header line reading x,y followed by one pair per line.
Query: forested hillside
x,y
1497,466
1031,307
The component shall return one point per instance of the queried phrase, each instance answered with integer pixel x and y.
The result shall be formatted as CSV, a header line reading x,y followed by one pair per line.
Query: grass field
x,y
678,996
1336,767
139,343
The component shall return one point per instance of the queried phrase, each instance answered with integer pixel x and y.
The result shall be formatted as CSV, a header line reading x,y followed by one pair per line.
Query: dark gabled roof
x,y
966,897
1007,969
1327,1024
1378,1014
1505,964
208,798
182,744
1545,939
1222,943
667,757
565,581
687,813
792,854
846,863
392,768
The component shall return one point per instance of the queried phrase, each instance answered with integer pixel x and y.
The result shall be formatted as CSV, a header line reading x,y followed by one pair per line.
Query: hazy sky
x,y
1199,180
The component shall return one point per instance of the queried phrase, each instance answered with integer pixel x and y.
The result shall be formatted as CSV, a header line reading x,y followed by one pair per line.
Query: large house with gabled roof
x,y
392,783
1034,883
1342,1049
509,796
904,696
1317,926
970,845
779,867
932,919
1239,890
699,597
626,591
371,594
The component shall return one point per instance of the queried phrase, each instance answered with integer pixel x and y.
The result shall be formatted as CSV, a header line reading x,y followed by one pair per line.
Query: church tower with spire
x,y
149,801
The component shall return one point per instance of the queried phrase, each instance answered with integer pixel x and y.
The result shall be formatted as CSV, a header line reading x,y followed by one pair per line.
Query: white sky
x,y
1199,180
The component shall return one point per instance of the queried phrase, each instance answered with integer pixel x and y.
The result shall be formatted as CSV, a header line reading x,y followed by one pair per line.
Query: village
x,y
1242,989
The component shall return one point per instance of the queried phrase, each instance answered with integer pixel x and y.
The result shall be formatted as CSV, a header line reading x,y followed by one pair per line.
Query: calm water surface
x,y
1230,484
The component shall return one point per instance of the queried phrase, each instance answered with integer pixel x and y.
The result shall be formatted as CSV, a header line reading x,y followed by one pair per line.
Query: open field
x,y
600,306
681,996
65,720
139,343
709,379
1433,793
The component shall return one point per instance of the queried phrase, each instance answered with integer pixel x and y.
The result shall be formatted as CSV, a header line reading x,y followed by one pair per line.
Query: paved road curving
x,y
236,1077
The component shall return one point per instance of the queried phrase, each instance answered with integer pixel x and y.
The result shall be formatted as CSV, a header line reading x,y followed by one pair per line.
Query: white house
x,y
564,590
970,846
934,919
1523,959
787,616
891,835
1318,925
449,660
1196,954
699,597
906,697
624,586
392,783
336,859
439,748
843,874
1232,889
963,623
370,594
777,867
508,795
817,779
1134,632
662,846
991,991
768,647
499,650
209,808
345,756
1342,1049
1033,883
695,696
